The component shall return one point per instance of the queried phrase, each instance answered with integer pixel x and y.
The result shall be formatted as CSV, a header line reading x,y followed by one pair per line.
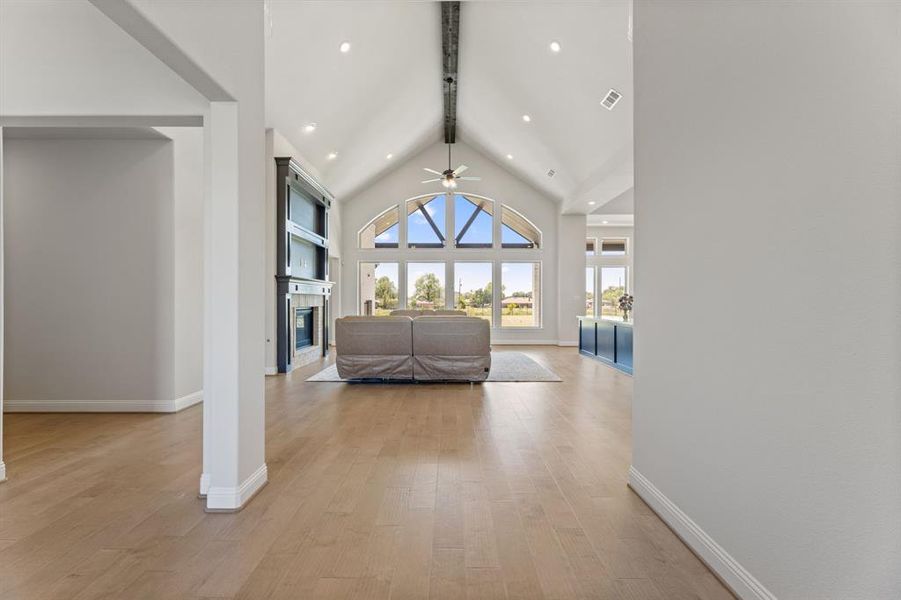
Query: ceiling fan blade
x,y
431,180
432,171
469,178
460,169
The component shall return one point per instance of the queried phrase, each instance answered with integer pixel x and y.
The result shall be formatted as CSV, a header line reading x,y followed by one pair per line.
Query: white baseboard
x,y
234,498
204,484
67,406
564,344
742,583
2,471
271,371
187,401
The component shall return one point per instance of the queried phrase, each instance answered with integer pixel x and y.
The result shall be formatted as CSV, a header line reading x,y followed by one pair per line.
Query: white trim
x,y
126,406
2,471
234,498
271,371
187,401
736,577
204,484
569,344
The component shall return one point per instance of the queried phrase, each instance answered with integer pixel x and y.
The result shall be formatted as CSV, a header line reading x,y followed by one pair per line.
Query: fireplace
x,y
303,328
302,288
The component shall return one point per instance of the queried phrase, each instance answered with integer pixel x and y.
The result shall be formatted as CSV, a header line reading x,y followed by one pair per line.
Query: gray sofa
x,y
413,313
427,348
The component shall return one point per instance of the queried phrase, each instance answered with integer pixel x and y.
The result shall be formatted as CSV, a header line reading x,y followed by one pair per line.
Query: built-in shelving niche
x,y
302,213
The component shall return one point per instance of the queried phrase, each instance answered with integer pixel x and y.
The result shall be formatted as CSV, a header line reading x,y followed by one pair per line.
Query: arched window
x,y
473,222
453,250
381,232
426,222
517,231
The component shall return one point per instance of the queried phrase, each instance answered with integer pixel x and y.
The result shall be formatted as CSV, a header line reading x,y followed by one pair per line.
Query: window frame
x,y
540,316
492,215
450,254
375,246
400,280
442,235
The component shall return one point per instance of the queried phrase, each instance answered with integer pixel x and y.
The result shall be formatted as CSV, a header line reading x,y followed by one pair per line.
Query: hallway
x,y
504,490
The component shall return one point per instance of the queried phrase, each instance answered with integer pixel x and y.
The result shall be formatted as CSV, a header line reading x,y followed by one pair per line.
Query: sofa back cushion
x,y
407,312
451,336
374,335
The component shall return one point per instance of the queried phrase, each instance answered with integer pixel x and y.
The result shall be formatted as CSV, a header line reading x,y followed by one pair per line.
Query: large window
x,y
473,290
520,294
382,232
426,222
517,231
589,291
453,250
474,225
425,285
613,285
378,288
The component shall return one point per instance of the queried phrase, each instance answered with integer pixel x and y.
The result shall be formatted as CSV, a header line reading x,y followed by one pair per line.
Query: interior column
x,y
234,465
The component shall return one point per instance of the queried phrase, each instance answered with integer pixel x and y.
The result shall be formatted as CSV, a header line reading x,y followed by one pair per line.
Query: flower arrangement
x,y
625,305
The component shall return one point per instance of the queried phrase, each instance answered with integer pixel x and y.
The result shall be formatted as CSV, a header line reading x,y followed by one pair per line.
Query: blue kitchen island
x,y
607,340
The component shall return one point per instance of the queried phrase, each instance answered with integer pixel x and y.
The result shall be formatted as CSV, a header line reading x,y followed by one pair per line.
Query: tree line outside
x,y
428,292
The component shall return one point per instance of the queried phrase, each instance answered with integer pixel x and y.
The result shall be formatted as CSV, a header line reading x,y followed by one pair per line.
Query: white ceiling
x,y
384,96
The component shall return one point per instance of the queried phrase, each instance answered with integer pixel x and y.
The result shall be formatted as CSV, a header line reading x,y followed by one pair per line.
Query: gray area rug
x,y
505,366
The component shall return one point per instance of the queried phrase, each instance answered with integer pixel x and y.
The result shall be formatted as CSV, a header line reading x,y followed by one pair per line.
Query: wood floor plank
x,y
376,492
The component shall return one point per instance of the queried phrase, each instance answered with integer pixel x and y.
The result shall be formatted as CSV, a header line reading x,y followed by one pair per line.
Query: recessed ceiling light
x,y
555,46
344,47
509,157
332,155
527,118
389,156
591,202
309,128
605,222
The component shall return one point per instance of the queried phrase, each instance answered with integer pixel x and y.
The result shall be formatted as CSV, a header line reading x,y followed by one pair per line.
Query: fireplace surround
x,y
302,286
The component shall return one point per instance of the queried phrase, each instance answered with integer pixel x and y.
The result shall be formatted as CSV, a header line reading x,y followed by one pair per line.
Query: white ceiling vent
x,y
551,173
611,99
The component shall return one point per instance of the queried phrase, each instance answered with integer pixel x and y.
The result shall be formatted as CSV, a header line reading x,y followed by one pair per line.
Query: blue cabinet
x,y
608,341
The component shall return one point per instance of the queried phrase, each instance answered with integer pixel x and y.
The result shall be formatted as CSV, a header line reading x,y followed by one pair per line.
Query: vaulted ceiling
x,y
384,96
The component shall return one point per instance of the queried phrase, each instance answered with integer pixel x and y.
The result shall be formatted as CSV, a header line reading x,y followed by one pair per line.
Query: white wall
x,y
571,278
498,184
187,148
90,266
64,57
767,402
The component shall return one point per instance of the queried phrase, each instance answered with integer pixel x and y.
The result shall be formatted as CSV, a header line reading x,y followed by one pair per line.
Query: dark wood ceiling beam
x,y
450,37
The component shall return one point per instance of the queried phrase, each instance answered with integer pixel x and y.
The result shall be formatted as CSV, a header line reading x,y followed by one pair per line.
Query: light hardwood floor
x,y
502,490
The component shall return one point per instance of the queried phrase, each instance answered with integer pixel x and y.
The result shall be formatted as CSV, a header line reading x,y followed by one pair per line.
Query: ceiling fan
x,y
450,177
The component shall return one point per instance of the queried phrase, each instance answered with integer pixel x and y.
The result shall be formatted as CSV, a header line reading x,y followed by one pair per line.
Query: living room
x,y
610,234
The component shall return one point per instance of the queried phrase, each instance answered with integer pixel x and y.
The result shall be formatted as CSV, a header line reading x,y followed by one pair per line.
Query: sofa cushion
x,y
408,312
451,347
